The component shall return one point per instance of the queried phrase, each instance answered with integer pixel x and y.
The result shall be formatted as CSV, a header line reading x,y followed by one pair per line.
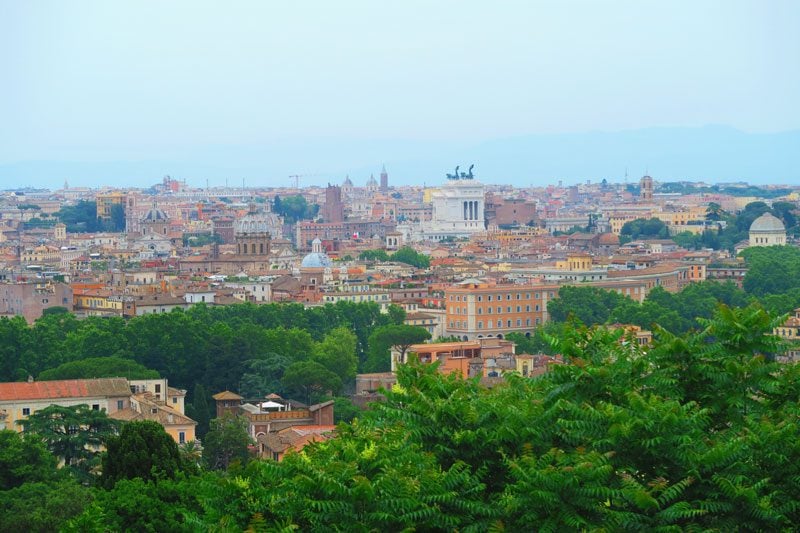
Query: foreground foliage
x,y
699,433
142,450
75,435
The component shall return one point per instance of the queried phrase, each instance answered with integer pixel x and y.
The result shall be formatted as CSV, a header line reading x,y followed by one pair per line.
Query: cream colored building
x,y
106,201
20,400
155,400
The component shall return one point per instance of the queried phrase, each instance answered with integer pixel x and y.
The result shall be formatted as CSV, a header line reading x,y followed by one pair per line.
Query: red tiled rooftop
x,y
315,429
70,388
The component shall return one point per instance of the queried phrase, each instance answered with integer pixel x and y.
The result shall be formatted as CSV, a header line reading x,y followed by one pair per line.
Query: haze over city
x,y
120,94
529,265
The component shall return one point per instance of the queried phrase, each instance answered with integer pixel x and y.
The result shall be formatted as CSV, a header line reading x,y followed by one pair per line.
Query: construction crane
x,y
296,178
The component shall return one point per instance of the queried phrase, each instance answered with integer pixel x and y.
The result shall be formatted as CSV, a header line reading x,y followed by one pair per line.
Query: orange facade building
x,y
478,311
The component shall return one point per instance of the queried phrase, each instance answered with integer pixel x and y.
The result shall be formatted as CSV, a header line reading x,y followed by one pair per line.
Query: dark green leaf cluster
x,y
142,450
82,217
645,228
99,367
240,347
736,226
24,459
772,270
395,336
406,255
677,312
227,442
699,432
74,434
294,208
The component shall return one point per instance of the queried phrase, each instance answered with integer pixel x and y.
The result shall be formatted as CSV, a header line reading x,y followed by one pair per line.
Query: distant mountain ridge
x,y
709,153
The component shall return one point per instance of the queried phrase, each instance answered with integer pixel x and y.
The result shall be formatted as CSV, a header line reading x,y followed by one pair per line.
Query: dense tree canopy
x,y
82,217
142,450
227,442
643,228
590,305
374,255
697,432
73,434
618,439
43,507
24,459
677,312
294,208
399,337
734,228
99,367
406,255
337,353
772,270
310,381
240,346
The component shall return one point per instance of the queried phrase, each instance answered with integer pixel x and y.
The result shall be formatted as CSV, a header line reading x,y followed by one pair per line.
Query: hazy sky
x,y
147,80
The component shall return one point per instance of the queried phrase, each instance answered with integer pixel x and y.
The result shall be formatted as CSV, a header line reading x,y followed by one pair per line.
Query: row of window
x,y
499,297
499,324
359,298
26,411
489,310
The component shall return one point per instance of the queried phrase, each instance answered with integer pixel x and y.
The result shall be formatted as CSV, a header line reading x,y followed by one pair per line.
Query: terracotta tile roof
x,y
226,395
318,406
665,268
164,415
309,429
70,388
293,436
126,415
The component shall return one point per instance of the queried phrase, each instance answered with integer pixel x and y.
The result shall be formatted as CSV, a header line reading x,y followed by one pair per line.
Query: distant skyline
x,y
123,93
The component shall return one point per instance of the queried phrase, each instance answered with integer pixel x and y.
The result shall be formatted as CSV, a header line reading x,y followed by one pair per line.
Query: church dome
x,y
767,223
347,182
317,258
256,222
155,215
371,182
